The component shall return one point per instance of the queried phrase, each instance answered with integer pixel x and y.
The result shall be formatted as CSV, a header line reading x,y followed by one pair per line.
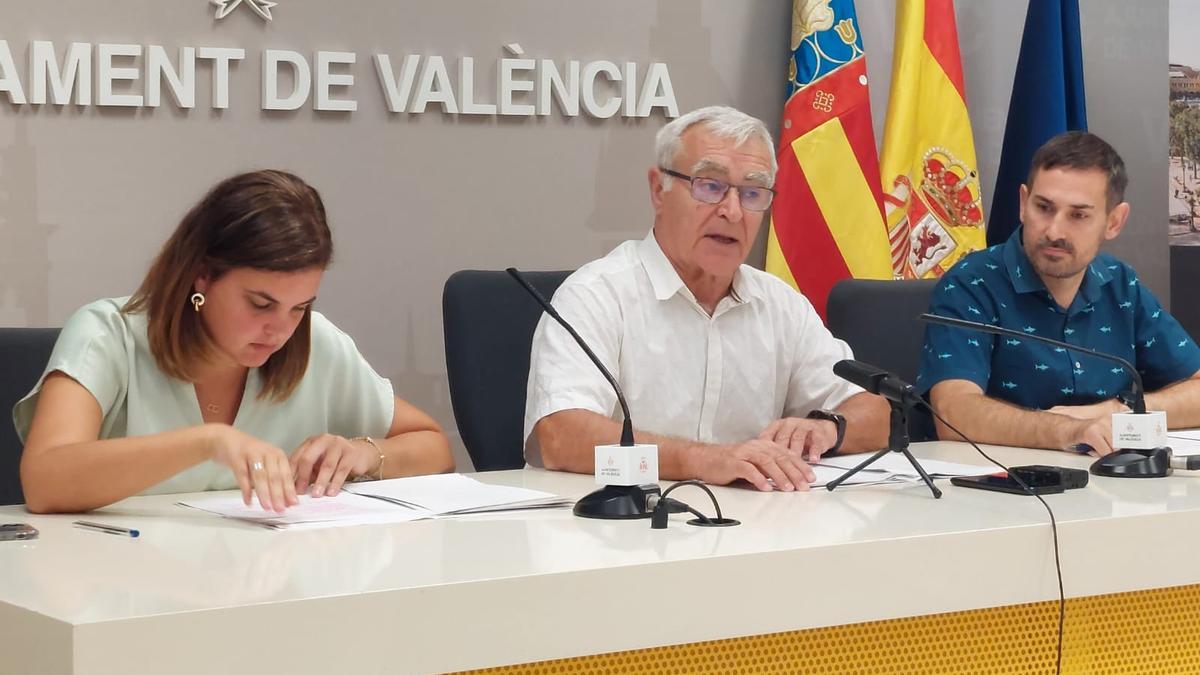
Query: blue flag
x,y
1047,99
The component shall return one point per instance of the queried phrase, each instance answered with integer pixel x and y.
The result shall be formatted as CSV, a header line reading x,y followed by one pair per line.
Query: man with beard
x,y
1050,279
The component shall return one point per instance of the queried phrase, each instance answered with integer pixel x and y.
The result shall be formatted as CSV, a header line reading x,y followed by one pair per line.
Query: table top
x,y
894,550
191,560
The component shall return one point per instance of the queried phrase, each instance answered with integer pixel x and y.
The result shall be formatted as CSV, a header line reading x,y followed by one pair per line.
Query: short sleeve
x,y
561,376
1165,353
360,401
94,349
812,383
954,353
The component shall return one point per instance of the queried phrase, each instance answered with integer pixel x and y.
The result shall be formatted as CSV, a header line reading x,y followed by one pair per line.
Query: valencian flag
x,y
931,185
827,220
1047,99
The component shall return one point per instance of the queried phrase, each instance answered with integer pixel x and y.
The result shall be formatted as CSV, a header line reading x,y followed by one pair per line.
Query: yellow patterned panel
x,y
1155,631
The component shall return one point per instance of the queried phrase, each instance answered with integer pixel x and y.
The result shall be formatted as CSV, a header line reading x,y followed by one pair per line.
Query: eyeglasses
x,y
713,191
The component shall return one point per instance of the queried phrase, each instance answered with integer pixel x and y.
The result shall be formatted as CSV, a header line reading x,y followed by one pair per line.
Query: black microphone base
x,y
617,502
1154,463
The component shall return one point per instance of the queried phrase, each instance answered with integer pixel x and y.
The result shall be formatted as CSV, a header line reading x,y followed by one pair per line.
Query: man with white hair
x,y
725,367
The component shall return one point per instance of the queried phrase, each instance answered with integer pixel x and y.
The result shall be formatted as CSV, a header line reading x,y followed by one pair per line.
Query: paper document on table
x,y
1184,442
828,474
341,510
896,464
1193,434
455,494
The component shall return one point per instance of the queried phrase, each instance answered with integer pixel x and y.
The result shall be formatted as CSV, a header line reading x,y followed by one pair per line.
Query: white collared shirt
x,y
762,355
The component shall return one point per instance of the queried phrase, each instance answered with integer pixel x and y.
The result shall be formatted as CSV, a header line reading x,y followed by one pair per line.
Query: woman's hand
x,y
259,467
322,463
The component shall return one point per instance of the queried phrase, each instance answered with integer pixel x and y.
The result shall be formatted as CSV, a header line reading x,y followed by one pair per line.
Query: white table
x,y
199,594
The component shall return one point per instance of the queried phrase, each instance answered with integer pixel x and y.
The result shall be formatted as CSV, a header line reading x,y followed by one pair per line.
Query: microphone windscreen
x,y
863,374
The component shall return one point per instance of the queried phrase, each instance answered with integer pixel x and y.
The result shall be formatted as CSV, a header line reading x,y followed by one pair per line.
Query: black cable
x,y
1062,598
702,486
677,506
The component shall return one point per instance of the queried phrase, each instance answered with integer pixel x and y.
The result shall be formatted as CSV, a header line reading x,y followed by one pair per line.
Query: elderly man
x,y
1051,279
726,368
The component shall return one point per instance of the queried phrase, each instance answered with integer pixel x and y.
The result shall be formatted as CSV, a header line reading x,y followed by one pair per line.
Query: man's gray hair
x,y
723,122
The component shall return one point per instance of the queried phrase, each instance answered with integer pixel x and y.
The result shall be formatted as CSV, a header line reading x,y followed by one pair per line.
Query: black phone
x,y
1040,480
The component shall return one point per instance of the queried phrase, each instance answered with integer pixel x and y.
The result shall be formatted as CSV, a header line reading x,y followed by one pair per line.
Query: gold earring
x,y
197,300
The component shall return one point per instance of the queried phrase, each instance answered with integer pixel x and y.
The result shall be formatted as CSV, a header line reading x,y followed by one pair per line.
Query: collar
x,y
1026,280
666,281
663,277
1096,276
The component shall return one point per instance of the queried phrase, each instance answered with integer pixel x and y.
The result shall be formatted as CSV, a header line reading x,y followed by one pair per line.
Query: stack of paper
x,y
828,474
1184,442
384,501
455,494
312,512
891,468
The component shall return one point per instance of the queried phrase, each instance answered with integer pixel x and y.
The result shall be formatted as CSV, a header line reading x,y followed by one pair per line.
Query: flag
x,y
827,218
1047,99
930,178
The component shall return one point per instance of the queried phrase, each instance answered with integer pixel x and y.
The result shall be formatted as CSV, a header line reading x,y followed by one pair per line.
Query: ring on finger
x,y
257,465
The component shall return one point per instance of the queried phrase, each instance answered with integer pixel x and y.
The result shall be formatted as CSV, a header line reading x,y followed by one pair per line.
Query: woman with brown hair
x,y
218,363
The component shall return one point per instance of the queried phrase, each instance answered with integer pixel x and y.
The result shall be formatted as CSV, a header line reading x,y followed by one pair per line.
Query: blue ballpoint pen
x,y
107,529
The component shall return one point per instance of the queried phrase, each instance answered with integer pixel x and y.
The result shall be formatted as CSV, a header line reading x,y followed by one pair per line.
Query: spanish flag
x,y
930,181
827,219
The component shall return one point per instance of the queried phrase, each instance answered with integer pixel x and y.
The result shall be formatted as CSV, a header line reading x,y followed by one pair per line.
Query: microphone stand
x,y
611,502
897,442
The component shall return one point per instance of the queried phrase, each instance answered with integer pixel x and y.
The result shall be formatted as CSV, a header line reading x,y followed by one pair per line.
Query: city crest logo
x,y
260,7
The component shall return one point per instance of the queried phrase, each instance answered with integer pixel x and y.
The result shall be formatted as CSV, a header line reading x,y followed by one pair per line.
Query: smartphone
x,y
17,532
1040,481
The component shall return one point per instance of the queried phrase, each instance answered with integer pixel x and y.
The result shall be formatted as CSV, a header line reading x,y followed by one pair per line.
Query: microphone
x,y
1144,434
628,472
627,423
901,396
877,381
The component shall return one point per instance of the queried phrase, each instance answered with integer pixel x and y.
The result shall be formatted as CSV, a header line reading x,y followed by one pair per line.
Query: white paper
x,y
342,509
454,493
1192,434
897,464
1184,442
828,474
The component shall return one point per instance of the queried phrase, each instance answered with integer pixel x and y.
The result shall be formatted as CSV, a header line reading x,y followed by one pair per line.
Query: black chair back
x,y
489,321
878,319
23,356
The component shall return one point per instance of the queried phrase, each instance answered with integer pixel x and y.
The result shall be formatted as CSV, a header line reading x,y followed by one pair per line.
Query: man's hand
x,y
809,438
1090,412
755,461
1096,433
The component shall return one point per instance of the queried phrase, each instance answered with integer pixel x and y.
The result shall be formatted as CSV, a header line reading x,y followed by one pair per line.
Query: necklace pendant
x,y
213,408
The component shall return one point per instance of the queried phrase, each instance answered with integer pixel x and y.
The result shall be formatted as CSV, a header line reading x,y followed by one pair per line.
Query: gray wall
x,y
88,194
1125,73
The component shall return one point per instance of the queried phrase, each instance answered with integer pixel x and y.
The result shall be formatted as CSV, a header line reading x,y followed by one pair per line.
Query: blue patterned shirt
x,y
1111,313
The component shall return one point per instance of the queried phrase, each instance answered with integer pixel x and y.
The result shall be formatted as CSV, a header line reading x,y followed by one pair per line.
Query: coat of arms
x,y
941,216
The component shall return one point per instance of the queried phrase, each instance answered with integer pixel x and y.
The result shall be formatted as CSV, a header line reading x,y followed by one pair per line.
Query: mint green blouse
x,y
107,352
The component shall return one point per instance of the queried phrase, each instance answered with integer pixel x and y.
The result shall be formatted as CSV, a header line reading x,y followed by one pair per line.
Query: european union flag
x,y
1047,99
